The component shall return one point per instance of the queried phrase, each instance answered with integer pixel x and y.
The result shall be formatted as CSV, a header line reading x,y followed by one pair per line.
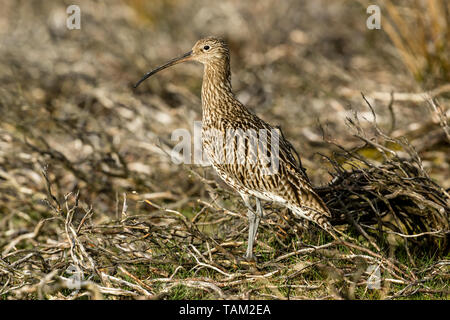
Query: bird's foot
x,y
250,258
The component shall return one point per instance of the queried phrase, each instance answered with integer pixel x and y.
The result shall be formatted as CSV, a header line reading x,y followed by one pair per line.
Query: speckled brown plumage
x,y
222,114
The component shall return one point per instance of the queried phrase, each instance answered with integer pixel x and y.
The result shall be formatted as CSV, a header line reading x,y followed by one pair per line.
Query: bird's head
x,y
207,51
210,50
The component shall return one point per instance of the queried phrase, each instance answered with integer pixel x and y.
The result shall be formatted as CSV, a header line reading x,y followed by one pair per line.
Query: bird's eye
x,y
206,48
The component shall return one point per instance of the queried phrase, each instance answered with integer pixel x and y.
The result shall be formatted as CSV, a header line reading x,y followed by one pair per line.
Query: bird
x,y
231,139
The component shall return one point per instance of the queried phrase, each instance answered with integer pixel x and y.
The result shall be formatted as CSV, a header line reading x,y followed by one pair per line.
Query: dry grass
x,y
420,31
88,189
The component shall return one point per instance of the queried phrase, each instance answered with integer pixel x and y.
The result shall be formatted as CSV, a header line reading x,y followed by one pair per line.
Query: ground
x,y
93,205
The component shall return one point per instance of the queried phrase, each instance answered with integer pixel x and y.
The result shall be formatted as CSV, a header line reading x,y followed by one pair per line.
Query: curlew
x,y
247,153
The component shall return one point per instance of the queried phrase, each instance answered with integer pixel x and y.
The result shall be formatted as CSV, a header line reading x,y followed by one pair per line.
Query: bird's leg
x,y
259,216
251,234
253,221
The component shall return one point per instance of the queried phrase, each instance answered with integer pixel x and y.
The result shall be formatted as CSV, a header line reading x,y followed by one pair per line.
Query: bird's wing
x,y
306,196
289,182
295,178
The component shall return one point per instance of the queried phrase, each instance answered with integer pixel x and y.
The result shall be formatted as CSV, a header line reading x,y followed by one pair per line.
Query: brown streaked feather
x,y
290,183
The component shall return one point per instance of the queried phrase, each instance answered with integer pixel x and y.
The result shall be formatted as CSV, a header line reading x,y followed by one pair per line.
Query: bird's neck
x,y
217,96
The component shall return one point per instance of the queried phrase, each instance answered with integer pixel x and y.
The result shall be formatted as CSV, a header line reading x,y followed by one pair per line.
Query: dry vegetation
x,y
88,188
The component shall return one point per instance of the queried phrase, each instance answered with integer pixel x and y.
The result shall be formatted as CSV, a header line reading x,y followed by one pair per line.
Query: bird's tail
x,y
321,218
334,232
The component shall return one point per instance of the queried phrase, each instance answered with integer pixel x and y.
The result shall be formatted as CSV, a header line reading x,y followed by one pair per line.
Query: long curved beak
x,y
185,57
